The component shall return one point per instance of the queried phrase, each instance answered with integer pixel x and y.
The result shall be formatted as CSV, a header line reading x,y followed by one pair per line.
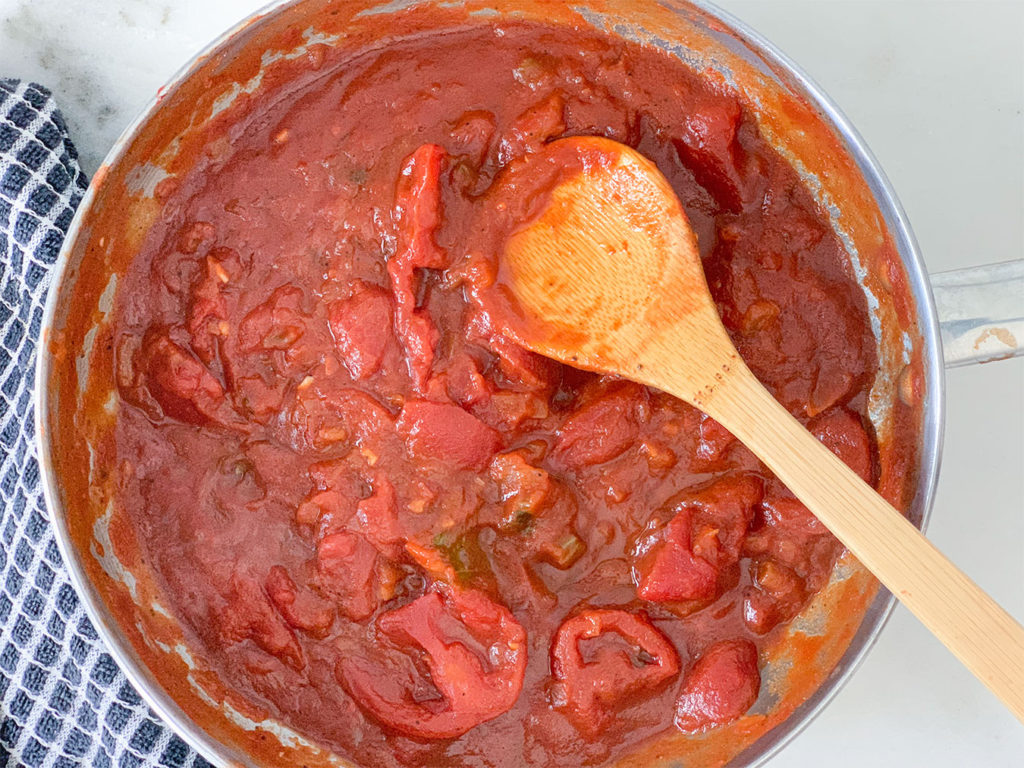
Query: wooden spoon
x,y
607,277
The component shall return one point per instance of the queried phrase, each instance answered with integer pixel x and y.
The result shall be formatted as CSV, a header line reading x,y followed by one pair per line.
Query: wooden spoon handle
x,y
986,639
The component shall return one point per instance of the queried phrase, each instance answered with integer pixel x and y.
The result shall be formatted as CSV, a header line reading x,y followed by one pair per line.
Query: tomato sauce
x,y
394,528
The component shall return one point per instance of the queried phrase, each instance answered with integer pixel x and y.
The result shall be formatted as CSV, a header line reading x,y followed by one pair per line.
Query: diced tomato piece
x,y
722,686
760,612
332,474
474,652
324,416
708,146
446,432
725,508
541,509
670,572
519,366
250,616
510,409
681,561
377,518
778,581
777,595
609,678
345,565
472,134
362,414
300,607
420,337
522,367
553,534
332,503
533,128
602,428
466,385
328,509
524,489
842,431
254,396
206,323
276,324
182,385
418,206
715,440
418,212
795,539
785,511
361,325
208,312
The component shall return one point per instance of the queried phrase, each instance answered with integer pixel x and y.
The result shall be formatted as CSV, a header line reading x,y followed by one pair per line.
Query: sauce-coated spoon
x,y
607,277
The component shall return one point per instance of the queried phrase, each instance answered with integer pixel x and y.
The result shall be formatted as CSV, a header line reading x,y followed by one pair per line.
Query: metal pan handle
x,y
981,312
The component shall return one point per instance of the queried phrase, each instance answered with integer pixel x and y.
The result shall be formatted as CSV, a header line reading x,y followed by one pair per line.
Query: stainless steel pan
x,y
921,324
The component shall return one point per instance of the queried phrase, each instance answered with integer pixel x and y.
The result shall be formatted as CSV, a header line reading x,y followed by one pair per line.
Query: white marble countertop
x,y
937,89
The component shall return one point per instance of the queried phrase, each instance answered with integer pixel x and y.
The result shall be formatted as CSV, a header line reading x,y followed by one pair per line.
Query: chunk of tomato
x,y
682,561
602,428
322,417
670,572
301,608
464,661
444,431
183,387
843,433
249,615
276,324
776,595
609,677
722,514
377,518
708,146
418,212
345,566
361,326
722,686
207,319
715,441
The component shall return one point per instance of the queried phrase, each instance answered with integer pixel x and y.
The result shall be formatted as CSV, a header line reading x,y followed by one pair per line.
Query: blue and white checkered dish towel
x,y
63,700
